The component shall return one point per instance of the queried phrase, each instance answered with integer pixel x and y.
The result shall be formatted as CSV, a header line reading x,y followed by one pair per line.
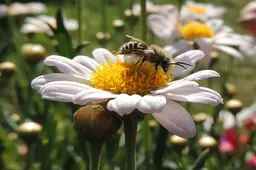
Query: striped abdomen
x,y
131,47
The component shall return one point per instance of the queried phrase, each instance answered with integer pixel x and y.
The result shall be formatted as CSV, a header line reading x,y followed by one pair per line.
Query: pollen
x,y
196,9
120,77
194,30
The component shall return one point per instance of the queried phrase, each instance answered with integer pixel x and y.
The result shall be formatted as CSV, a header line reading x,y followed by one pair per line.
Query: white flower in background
x,y
36,7
40,24
3,11
113,79
228,120
192,11
207,36
17,8
164,9
249,48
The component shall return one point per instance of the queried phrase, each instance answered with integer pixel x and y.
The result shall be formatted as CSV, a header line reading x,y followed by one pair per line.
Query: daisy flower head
x,y
206,36
114,80
17,9
40,24
191,11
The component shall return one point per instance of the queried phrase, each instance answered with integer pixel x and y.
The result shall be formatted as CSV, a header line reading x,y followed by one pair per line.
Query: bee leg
x,y
142,61
156,67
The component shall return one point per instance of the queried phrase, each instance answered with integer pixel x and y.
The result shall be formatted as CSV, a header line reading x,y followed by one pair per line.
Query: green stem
x,y
95,156
130,130
143,20
146,143
131,4
80,20
103,16
28,158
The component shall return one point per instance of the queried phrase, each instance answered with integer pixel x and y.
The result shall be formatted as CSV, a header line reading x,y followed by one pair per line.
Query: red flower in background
x,y
251,163
230,142
250,123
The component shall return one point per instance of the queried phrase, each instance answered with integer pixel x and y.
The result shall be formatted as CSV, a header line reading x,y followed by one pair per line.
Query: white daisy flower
x,y
40,24
3,11
207,36
17,8
191,11
229,120
164,9
36,7
113,79
249,48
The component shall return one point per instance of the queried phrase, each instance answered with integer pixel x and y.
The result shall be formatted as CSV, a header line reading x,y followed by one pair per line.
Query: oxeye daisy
x,y
191,11
206,36
114,80
40,24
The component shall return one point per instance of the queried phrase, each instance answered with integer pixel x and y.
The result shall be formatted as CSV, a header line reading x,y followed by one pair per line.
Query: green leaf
x,y
62,37
201,160
81,46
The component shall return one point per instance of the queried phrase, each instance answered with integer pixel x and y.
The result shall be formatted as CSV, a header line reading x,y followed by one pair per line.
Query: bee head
x,y
165,65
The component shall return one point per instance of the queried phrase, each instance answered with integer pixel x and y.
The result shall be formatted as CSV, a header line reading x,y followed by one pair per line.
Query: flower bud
x,y
131,17
12,136
7,69
96,122
200,117
118,24
103,37
152,123
230,90
214,58
29,131
33,52
176,140
234,106
207,142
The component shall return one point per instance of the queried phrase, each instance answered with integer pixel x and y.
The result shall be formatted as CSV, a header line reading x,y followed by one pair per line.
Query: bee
x,y
151,53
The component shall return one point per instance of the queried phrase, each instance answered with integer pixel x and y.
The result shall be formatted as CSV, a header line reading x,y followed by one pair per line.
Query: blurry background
x,y
58,147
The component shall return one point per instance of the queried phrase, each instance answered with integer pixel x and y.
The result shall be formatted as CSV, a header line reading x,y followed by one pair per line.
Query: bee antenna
x,y
184,63
181,64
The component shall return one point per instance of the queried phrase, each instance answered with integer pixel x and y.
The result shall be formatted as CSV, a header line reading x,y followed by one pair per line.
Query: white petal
x,y
56,96
103,56
230,51
163,26
64,86
178,47
38,82
190,57
91,95
61,90
67,66
215,24
151,104
201,75
123,104
87,62
205,44
195,96
175,85
176,120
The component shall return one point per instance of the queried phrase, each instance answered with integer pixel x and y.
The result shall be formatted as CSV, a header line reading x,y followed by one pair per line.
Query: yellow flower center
x,y
122,77
194,30
196,9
